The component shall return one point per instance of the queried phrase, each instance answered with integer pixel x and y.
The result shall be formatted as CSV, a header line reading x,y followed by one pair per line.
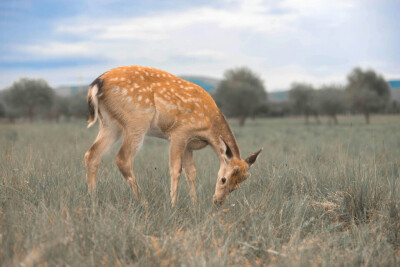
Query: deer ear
x,y
252,158
225,150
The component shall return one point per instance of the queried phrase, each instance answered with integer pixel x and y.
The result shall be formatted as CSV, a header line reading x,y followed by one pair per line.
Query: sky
x,y
319,42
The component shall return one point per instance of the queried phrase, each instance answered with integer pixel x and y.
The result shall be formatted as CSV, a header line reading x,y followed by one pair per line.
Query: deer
x,y
137,101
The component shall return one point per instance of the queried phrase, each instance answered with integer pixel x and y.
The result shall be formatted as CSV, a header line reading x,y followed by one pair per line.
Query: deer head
x,y
233,171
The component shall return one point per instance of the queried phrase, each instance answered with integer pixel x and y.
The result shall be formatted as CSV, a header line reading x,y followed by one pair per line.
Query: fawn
x,y
135,101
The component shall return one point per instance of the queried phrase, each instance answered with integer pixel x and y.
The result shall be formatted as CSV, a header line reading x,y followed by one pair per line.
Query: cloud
x,y
307,40
248,17
277,78
196,34
56,49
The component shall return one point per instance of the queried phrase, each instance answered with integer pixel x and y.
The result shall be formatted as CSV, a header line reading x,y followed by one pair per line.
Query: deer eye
x,y
223,180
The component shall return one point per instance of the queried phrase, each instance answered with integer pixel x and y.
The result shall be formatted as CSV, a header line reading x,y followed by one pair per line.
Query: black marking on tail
x,y
91,109
99,82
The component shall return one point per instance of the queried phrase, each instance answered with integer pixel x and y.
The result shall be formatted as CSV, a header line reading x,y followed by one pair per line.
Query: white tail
x,y
136,101
93,103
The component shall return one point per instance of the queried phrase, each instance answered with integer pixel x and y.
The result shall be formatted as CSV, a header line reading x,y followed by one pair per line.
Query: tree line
x,y
241,94
34,98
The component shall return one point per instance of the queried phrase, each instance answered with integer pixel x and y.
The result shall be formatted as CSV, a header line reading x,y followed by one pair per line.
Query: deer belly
x,y
196,144
156,132
161,125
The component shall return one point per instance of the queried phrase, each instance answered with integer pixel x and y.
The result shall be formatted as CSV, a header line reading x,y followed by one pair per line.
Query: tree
x,y
303,99
368,91
2,110
240,93
29,96
62,107
78,105
332,100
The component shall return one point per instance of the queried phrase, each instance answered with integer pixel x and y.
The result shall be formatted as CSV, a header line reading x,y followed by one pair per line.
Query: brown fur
x,y
135,101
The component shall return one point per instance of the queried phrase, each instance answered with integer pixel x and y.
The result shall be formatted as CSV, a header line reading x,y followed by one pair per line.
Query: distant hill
x,y
207,83
395,85
282,96
279,96
70,90
210,84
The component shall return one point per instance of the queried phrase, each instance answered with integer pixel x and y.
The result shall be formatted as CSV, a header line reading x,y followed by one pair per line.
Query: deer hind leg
x,y
176,150
107,136
190,173
130,145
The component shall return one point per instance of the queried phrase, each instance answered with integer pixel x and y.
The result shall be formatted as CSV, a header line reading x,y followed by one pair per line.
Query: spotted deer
x,y
136,101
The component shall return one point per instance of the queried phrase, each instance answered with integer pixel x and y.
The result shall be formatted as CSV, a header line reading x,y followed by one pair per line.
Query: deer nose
x,y
217,201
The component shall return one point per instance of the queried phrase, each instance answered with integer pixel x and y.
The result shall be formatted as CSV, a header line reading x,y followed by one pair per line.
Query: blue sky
x,y
71,42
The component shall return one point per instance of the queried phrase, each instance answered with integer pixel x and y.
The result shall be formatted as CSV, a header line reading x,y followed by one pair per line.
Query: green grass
x,y
318,195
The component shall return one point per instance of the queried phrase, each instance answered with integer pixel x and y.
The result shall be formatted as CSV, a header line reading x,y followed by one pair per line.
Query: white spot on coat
x,y
167,104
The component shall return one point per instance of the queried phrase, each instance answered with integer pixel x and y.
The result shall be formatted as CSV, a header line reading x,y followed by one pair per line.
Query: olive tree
x,y
303,100
29,96
2,110
368,91
241,93
332,101
78,105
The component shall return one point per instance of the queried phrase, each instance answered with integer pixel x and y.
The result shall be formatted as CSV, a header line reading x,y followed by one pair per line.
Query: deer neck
x,y
221,128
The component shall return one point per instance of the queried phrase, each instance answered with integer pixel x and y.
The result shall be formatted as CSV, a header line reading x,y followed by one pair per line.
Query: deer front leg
x,y
176,151
190,173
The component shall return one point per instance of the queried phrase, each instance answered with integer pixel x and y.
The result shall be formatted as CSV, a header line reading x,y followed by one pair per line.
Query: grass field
x,y
318,195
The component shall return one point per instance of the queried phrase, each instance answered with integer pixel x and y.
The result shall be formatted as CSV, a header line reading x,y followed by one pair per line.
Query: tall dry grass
x,y
318,195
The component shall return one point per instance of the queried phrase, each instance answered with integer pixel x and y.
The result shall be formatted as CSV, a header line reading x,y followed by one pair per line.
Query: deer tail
x,y
93,101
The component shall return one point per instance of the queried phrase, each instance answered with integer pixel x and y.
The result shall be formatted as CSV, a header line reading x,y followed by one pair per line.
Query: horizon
x,y
71,43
